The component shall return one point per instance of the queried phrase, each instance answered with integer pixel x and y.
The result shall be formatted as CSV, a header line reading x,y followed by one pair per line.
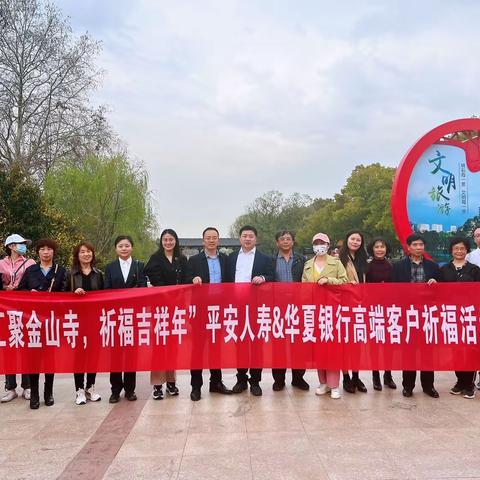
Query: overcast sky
x,y
225,100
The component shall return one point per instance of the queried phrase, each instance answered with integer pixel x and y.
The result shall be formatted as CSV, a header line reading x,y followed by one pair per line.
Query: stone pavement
x,y
282,435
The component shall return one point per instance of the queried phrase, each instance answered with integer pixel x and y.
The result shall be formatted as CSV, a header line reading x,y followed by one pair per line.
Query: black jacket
x,y
197,266
402,270
74,279
34,279
114,277
297,267
469,273
161,272
262,265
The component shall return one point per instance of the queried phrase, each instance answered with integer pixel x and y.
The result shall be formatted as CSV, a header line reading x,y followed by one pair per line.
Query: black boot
x,y
377,385
348,385
48,395
359,385
34,399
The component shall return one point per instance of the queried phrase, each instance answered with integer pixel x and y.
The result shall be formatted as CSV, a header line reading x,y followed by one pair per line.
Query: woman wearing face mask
x,y
379,270
125,272
354,258
325,270
166,267
12,268
82,278
45,276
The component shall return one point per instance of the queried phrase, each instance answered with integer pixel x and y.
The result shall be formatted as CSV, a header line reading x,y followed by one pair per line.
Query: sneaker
x,y
157,393
9,396
335,393
26,394
469,393
456,389
322,389
92,395
478,384
172,389
80,399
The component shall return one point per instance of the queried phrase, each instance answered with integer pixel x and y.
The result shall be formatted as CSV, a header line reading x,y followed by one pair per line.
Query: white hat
x,y
16,238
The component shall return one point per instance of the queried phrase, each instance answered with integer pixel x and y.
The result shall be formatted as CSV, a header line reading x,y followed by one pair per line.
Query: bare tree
x,y
46,75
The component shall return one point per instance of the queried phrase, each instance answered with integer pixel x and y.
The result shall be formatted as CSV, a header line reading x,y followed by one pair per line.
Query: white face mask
x,y
320,249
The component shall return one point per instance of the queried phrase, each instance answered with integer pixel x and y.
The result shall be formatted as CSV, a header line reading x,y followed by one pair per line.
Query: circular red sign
x,y
404,172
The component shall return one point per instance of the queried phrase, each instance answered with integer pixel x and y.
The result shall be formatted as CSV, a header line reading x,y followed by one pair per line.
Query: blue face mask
x,y
21,249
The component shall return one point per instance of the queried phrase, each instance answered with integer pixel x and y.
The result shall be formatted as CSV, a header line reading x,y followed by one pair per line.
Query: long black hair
x,y
360,254
176,249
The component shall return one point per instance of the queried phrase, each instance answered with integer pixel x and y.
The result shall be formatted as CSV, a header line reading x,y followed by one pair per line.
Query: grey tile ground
x,y
284,435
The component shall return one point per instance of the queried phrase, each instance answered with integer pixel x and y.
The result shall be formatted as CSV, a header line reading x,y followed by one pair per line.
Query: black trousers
x,y
80,380
197,378
426,379
280,373
128,382
34,380
466,380
255,375
11,382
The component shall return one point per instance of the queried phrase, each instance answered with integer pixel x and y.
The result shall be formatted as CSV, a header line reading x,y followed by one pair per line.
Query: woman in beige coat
x,y
325,270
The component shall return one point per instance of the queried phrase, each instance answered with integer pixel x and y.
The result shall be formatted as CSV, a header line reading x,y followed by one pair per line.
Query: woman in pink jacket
x,y
12,268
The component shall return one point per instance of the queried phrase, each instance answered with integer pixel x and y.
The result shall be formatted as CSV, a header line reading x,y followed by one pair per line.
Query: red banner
x,y
361,327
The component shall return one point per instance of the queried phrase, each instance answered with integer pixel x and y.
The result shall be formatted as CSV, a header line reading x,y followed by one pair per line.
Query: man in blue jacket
x,y
248,265
416,269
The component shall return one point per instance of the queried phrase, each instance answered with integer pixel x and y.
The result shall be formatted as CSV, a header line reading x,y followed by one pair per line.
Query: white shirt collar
x,y
251,252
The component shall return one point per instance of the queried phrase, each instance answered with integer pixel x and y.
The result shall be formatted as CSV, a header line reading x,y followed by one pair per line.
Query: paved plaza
x,y
282,435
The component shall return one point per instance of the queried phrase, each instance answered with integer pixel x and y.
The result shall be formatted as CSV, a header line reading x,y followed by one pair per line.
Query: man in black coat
x,y
249,265
416,269
288,266
207,267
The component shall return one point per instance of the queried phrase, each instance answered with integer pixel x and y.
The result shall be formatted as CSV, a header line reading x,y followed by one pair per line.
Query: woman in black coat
x,y
45,276
167,266
125,272
83,278
459,270
379,270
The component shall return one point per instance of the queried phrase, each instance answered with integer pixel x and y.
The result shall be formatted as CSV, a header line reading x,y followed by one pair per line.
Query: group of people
x,y
353,263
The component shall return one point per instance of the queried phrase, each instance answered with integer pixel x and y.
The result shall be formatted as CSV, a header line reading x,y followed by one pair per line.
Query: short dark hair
x,y
374,241
76,251
456,240
281,233
123,237
414,237
46,242
247,227
210,228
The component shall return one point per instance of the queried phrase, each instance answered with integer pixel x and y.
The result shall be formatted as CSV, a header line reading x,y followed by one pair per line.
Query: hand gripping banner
x,y
282,325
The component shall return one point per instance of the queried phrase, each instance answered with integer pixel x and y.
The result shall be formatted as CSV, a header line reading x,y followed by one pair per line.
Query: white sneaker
x,y
80,399
9,396
92,395
335,393
322,389
26,394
